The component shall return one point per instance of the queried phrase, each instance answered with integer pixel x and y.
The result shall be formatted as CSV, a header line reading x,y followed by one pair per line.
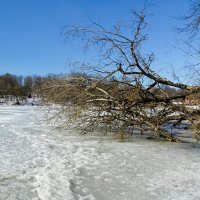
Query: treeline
x,y
19,86
25,85
16,85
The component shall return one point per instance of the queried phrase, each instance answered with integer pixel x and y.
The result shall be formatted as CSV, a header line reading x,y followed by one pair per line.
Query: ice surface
x,y
37,162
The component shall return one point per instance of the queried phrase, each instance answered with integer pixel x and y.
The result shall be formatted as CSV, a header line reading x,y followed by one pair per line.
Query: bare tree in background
x,y
192,19
123,94
190,38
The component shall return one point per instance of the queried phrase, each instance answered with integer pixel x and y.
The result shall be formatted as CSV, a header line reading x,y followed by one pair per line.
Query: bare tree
x,y
192,19
190,31
123,93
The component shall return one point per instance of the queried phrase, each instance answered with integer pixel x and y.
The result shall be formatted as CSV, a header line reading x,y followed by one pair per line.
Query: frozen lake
x,y
39,163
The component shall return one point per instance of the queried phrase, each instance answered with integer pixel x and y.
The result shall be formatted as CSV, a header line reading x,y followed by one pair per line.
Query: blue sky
x,y
31,41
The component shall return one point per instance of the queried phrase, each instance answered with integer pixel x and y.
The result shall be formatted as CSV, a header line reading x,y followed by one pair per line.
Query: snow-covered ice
x,y
37,162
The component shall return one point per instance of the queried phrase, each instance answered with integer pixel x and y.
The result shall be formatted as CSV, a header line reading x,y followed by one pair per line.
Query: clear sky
x,y
31,41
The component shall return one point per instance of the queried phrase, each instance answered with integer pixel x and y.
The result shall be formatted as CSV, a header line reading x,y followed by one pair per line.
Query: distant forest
x,y
27,86
19,86
16,85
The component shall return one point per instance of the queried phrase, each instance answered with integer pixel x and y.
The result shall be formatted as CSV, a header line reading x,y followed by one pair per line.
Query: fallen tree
x,y
123,93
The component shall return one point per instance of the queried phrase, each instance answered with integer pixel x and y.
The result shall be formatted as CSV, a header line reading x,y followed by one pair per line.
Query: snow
x,y
16,101
37,162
